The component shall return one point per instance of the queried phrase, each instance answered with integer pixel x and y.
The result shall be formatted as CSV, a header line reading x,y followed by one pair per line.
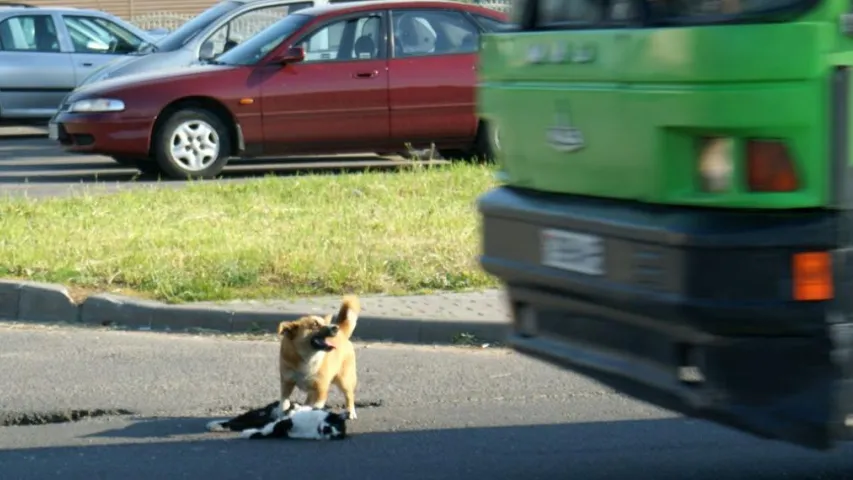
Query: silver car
x,y
46,52
211,33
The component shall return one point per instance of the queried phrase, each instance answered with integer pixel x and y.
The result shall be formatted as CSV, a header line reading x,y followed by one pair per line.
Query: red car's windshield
x,y
254,49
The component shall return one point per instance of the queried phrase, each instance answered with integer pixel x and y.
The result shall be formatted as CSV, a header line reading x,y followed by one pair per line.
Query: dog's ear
x,y
287,329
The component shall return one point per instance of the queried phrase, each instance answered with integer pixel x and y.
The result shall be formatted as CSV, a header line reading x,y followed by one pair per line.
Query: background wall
x,y
165,13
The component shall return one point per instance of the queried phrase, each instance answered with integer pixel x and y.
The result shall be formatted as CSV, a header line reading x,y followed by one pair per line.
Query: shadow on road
x,y
639,449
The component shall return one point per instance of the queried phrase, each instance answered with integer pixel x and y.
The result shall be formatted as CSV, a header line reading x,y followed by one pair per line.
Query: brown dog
x,y
315,353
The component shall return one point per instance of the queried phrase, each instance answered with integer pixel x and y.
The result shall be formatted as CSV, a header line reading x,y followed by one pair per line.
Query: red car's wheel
x,y
192,143
488,141
484,147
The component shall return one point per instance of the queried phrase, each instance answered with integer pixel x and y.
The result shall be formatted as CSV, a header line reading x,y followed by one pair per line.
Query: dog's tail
x,y
348,315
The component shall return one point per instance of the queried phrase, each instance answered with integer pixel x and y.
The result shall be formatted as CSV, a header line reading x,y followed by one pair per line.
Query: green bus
x,y
674,211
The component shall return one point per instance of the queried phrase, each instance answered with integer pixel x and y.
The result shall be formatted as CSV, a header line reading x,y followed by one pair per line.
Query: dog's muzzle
x,y
319,341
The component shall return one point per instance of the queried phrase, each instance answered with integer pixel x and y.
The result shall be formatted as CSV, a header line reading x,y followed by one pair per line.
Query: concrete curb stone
x,y
22,136
45,303
22,132
432,319
10,292
106,309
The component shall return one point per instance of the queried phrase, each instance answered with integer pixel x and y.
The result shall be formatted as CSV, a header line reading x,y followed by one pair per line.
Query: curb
x,y
22,136
22,132
35,302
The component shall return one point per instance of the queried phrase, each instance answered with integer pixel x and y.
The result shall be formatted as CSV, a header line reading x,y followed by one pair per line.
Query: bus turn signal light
x,y
812,276
769,167
716,164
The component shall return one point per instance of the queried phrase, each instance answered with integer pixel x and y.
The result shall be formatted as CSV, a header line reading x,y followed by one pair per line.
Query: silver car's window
x,y
254,49
246,25
29,33
99,35
183,34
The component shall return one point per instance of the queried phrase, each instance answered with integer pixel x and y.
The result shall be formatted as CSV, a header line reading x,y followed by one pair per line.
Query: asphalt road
x,y
445,413
37,168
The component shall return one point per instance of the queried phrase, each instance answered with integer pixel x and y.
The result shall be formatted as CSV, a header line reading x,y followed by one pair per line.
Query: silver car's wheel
x,y
194,145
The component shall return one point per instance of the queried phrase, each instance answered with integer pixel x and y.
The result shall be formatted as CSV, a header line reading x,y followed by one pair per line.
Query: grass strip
x,y
408,231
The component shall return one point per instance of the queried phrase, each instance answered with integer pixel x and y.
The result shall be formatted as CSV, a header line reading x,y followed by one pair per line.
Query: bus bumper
x,y
690,310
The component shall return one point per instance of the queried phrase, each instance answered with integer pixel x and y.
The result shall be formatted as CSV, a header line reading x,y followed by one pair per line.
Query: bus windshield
x,y
579,14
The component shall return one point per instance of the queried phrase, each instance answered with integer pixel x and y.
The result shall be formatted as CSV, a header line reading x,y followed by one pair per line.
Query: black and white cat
x,y
294,421
255,418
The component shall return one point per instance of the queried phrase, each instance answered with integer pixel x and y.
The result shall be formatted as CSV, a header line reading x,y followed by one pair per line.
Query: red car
x,y
339,78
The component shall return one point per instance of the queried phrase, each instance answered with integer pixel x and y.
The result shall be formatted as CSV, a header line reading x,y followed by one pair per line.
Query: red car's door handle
x,y
369,74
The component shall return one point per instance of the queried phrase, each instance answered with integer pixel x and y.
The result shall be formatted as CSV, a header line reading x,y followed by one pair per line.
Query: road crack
x,y
25,419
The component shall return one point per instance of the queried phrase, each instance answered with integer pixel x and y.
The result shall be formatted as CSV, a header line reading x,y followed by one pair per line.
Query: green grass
x,y
409,231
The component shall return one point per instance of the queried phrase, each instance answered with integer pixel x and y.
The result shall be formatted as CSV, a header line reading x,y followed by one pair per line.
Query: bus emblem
x,y
562,136
535,54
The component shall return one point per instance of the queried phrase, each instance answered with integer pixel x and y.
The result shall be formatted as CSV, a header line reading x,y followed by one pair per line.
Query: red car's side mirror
x,y
291,55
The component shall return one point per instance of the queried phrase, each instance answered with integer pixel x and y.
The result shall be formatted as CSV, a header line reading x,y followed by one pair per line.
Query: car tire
x,y
144,165
456,154
483,150
192,143
486,143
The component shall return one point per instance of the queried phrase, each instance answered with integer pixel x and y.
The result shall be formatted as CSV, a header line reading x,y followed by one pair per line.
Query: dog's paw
x,y
251,433
351,415
216,426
